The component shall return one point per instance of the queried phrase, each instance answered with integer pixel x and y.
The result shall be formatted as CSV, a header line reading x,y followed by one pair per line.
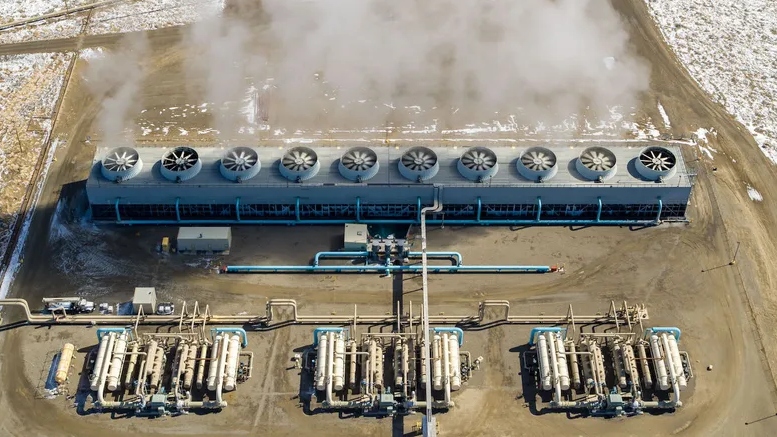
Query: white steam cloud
x,y
116,78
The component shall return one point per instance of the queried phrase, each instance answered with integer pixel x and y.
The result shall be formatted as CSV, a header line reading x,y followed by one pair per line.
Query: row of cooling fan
x,y
419,164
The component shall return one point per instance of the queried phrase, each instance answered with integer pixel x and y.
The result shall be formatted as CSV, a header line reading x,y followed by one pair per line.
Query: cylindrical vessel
x,y
98,362
573,365
180,364
378,380
561,360
106,362
406,361
598,362
588,365
213,367
188,375
398,374
65,357
339,365
446,361
352,368
647,379
617,361
233,356
133,360
677,361
157,368
424,358
659,363
411,362
151,355
437,362
543,358
321,357
201,366
630,364
455,361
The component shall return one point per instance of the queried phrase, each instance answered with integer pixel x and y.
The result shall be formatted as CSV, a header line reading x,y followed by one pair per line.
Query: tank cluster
x,y
384,373
610,374
159,374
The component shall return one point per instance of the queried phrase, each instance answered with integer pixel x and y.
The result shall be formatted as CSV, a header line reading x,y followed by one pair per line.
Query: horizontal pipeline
x,y
431,255
467,222
387,269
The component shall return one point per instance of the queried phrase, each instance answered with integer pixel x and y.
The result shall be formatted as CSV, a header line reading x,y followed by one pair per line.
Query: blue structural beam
x,y
239,331
480,209
539,209
237,209
177,209
670,329
103,331
536,331
660,208
318,331
358,209
457,331
116,206
386,269
599,210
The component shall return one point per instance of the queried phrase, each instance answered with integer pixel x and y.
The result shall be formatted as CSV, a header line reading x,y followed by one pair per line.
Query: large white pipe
x,y
437,363
455,360
542,357
330,364
672,372
157,368
151,355
352,368
119,351
658,363
220,372
573,365
180,364
213,368
188,374
321,357
411,362
551,337
446,367
424,359
399,379
233,356
104,370
98,362
563,369
617,361
630,364
379,366
201,366
647,379
598,361
339,362
677,361
133,359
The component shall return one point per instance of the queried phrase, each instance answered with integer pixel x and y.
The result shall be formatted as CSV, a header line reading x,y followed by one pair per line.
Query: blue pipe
x,y
456,255
237,208
320,255
177,211
240,331
599,211
480,207
103,331
338,255
418,217
384,268
539,209
660,208
296,211
116,206
358,209
457,331
535,331
673,330
318,331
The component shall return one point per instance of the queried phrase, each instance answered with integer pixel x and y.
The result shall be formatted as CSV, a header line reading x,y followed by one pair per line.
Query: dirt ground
x,y
681,272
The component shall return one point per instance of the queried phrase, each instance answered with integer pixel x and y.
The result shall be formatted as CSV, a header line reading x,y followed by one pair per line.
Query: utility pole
x,y
736,252
18,140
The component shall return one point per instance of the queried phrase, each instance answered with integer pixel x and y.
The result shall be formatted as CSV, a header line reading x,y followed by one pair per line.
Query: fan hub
x,y
537,161
299,161
597,160
478,160
358,161
180,160
418,161
657,161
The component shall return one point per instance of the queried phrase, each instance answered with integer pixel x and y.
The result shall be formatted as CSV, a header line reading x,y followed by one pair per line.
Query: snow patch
x,y
755,196
664,116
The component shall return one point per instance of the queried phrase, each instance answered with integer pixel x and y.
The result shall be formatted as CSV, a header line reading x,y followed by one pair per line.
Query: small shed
x,y
144,297
204,239
356,236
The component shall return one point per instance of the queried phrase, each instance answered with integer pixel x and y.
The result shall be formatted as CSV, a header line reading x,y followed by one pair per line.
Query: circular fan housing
x,y
656,163
596,164
180,164
537,164
419,164
478,164
121,164
359,164
299,164
240,164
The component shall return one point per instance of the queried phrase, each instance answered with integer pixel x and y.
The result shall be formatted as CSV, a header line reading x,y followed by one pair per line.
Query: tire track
x,y
267,389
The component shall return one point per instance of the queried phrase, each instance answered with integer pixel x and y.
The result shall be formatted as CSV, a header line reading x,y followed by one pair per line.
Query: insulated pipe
x,y
220,372
437,361
352,368
233,356
131,365
551,337
239,331
140,388
104,369
563,369
647,380
379,366
658,362
672,373
399,379
573,365
188,375
455,362
99,361
424,359
674,331
446,365
119,351
214,362
151,355
457,331
201,366
330,361
339,363
631,364
542,357
617,361
674,351
157,368
388,268
321,362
